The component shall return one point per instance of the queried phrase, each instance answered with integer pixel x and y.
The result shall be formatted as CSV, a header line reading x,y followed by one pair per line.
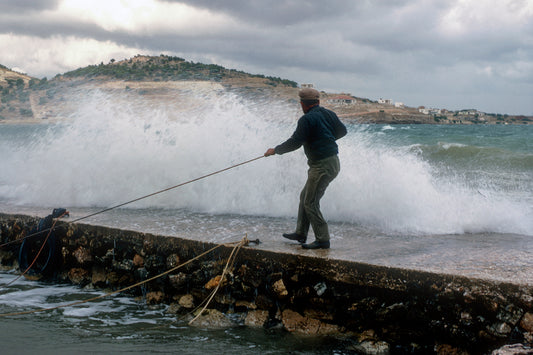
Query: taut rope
x,y
137,199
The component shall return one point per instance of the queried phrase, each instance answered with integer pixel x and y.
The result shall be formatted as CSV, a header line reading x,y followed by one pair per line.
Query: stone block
x,y
186,301
138,261
256,318
155,297
279,289
527,322
82,255
78,276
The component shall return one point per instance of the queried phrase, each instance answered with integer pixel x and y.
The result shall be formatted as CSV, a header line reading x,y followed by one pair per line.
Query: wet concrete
x,y
397,309
490,256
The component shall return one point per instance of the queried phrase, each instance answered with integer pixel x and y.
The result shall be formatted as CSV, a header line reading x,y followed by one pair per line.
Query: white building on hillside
x,y
385,101
432,111
341,100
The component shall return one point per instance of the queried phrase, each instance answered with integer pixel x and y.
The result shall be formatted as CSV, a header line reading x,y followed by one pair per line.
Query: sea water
x,y
125,325
456,199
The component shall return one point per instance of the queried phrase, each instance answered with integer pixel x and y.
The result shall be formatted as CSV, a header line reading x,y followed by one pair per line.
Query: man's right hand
x,y
269,152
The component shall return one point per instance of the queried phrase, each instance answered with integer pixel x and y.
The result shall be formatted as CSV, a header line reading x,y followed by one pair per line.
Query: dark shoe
x,y
316,245
295,236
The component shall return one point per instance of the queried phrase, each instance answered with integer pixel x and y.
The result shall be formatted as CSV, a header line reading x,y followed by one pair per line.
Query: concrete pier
x,y
380,309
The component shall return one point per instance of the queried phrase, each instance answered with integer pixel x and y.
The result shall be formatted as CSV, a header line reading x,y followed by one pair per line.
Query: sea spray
x,y
396,188
114,147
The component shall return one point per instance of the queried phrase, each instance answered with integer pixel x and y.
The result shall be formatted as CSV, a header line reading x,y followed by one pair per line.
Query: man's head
x,y
309,98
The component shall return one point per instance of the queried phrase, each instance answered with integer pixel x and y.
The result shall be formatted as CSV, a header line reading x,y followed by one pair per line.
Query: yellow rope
x,y
233,252
206,301
244,241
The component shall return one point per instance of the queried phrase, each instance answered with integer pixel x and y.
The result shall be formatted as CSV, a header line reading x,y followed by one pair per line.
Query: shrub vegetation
x,y
167,68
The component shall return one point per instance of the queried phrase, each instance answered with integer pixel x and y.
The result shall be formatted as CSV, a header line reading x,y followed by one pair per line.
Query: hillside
x,y
166,68
163,78
14,95
25,99
8,76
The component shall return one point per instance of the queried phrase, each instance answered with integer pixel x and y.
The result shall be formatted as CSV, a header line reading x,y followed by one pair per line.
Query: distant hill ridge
x,y
167,68
8,76
27,99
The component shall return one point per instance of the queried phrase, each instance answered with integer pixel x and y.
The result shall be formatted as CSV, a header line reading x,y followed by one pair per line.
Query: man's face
x,y
306,108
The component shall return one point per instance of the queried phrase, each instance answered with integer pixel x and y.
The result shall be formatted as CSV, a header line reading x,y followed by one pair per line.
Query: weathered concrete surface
x,y
380,308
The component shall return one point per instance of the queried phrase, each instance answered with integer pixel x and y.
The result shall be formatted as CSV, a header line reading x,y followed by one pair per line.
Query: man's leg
x,y
302,224
320,175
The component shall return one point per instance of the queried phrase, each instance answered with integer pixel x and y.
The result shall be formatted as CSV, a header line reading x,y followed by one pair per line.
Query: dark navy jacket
x,y
317,131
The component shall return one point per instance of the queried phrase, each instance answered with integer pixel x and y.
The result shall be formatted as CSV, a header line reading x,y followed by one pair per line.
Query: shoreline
x,y
350,118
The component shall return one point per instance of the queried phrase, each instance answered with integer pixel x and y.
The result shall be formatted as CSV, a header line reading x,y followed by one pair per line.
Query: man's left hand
x,y
270,151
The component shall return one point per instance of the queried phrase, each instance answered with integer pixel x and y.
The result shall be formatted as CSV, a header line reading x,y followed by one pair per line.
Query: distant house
x,y
432,111
399,104
309,86
385,101
341,100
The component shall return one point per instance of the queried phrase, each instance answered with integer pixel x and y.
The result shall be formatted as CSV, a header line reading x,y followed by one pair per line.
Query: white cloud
x,y
142,16
58,54
468,17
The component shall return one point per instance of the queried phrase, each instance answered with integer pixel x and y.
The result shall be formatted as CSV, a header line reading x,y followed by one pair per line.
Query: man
x,y
317,131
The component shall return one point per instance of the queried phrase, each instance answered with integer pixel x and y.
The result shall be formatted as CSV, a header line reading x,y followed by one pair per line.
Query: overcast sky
x,y
453,54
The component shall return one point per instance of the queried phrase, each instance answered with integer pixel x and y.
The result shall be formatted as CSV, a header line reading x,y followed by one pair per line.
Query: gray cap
x,y
309,94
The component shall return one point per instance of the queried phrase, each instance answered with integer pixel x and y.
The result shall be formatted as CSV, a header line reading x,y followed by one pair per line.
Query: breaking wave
x,y
117,147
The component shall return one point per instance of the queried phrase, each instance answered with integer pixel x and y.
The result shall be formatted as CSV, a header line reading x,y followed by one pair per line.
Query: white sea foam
x,y
115,148
451,145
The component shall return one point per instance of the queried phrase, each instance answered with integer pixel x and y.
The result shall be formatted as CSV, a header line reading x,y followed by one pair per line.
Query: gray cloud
x,y
283,12
404,49
26,6
38,27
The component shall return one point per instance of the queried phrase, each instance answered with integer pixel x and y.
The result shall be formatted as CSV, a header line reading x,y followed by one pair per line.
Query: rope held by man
x,y
138,199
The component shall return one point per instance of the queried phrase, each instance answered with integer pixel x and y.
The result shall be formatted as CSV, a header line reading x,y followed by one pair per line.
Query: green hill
x,y
156,79
26,99
166,68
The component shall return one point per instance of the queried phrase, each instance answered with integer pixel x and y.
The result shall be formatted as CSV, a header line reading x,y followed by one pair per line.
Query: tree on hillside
x,y
20,84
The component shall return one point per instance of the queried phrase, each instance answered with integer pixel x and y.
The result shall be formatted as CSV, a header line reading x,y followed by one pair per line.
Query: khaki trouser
x,y
319,175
